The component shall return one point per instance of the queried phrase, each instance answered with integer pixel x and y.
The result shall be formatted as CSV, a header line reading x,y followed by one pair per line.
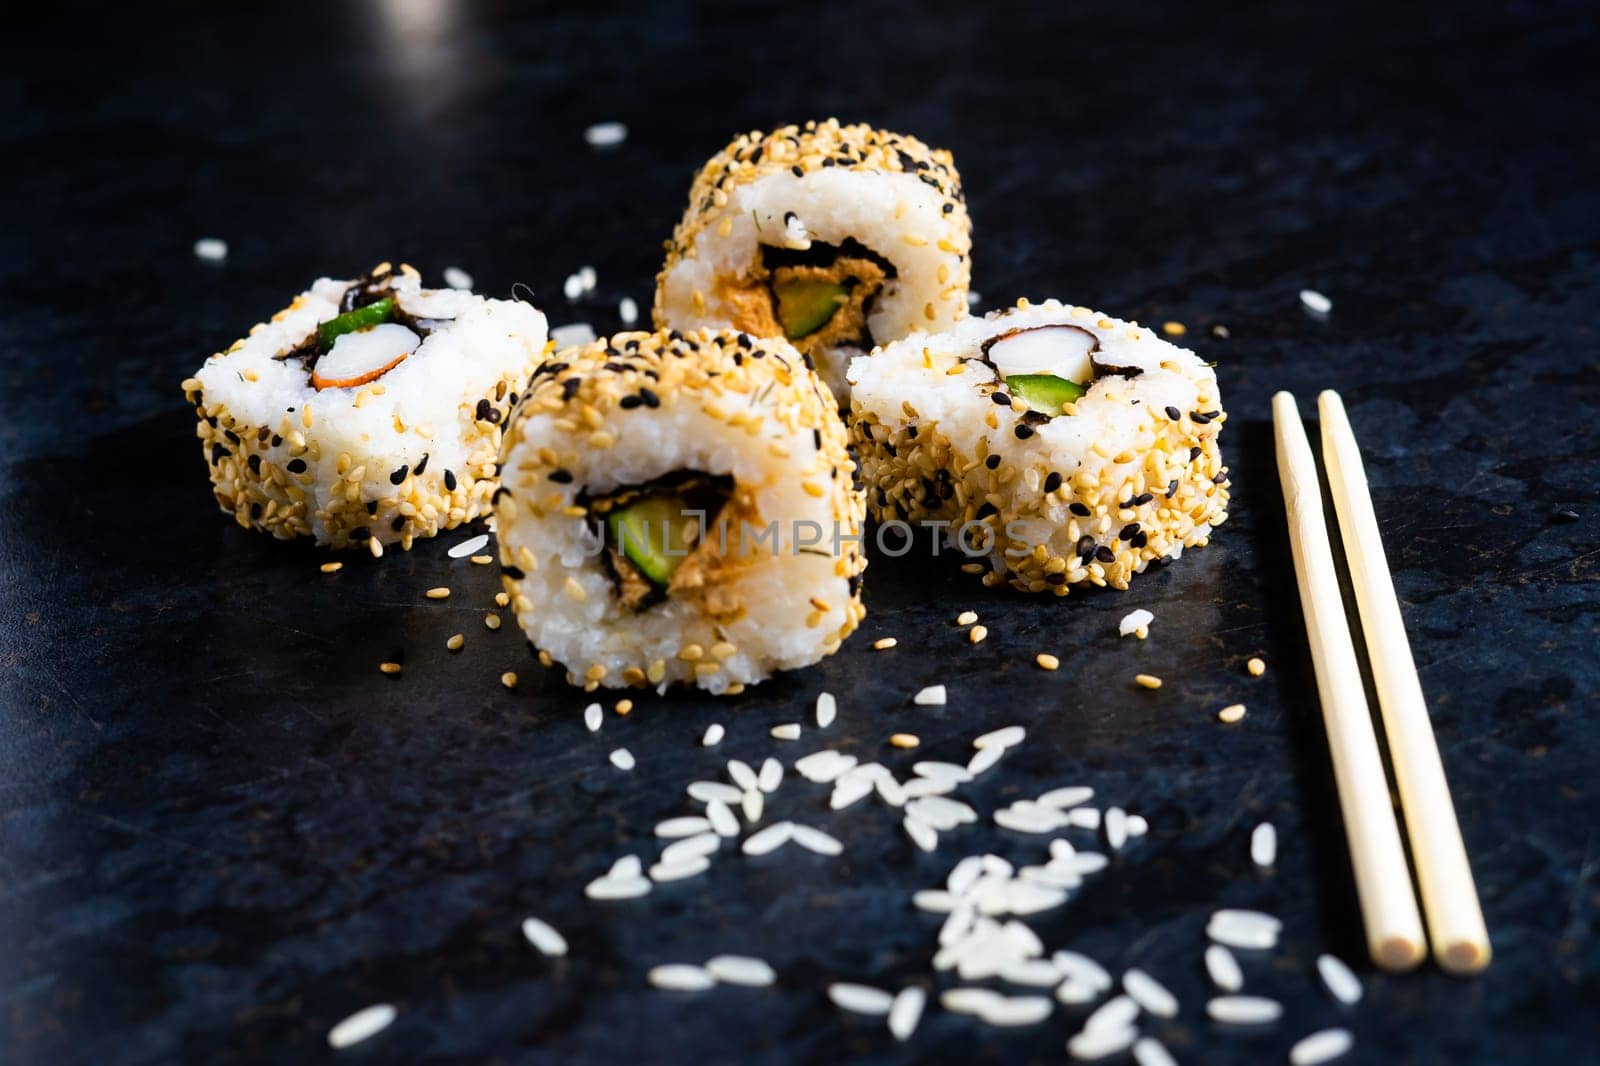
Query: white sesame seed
x,y
628,311
713,735
593,717
212,250
362,1025
681,977
1315,302
827,710
543,936
457,278
605,134
622,759
932,696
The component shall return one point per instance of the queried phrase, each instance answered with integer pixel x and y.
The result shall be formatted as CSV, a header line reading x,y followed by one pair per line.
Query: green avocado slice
x,y
654,534
805,306
1045,393
373,314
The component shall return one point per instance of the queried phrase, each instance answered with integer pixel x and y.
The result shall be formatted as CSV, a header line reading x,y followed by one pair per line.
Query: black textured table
x,y
221,830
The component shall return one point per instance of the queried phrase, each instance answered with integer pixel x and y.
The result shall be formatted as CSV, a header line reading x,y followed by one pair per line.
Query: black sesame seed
x,y
570,387
993,462
1105,554
1055,579
1129,531
1200,419
1000,398
649,397
1140,500
297,466
360,533
986,510
254,463
1022,431
797,170
1085,547
1194,453
255,511
1139,540
513,572
422,464
561,477
398,523
1174,414
499,492
628,403
449,481
277,441
217,452
1052,482
372,507
949,208
1079,509
399,475
1172,488
483,410
1220,479
816,439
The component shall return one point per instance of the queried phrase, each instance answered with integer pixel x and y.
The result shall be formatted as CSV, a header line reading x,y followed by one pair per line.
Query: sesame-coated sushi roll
x,y
367,411
680,508
837,238
1062,446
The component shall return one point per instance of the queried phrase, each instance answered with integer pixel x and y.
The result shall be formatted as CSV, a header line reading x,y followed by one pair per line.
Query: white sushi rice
x,y
771,775
713,735
593,717
1148,1051
1322,1046
605,134
723,821
741,970
1088,1046
1134,621
681,977
813,839
1340,981
628,311
687,826
623,759
1264,844
572,335
211,249
470,546
700,845
860,999
827,710
362,1025
543,936
932,696
680,869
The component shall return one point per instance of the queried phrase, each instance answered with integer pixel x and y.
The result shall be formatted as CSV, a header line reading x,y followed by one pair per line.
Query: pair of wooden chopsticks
x,y
1388,904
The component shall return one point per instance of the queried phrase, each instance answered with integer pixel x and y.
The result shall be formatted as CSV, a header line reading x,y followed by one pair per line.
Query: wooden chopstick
x,y
1449,897
1388,904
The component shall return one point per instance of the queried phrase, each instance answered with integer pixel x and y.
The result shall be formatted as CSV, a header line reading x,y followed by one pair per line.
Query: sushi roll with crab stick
x,y
680,508
367,411
1062,446
835,238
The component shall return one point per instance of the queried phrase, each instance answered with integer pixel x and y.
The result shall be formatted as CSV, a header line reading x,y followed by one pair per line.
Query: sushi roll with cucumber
x,y
680,508
836,238
1062,446
367,411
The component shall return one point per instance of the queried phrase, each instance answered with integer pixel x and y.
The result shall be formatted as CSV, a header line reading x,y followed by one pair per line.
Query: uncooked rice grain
x,y
1315,302
605,134
816,840
1134,621
1062,798
968,1000
1116,827
771,775
1150,994
742,775
1118,1012
680,869
713,736
827,710
687,826
906,1011
706,791
593,717
921,833
698,846
457,278
470,546
860,999
362,1025
1340,981
681,977
610,887
741,970
542,935
985,759
1264,844
753,803
1148,1051
1243,1010
771,838
1017,1010
1322,1046
1101,1043
932,696
1084,817
1224,969
722,819
1006,737
622,759
786,731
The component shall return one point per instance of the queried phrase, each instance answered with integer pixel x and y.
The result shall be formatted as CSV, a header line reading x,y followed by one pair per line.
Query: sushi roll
x,y
680,508
367,411
1062,446
837,238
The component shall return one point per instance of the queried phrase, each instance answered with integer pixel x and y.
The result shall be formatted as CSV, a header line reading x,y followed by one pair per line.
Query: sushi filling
x,y
371,335
661,539
1047,367
819,297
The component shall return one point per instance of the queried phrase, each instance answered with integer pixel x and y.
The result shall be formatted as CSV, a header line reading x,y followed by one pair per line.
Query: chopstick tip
x,y
1464,958
1398,953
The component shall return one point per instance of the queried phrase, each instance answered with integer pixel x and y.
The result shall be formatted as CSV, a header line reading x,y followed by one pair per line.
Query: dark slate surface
x,y
221,830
